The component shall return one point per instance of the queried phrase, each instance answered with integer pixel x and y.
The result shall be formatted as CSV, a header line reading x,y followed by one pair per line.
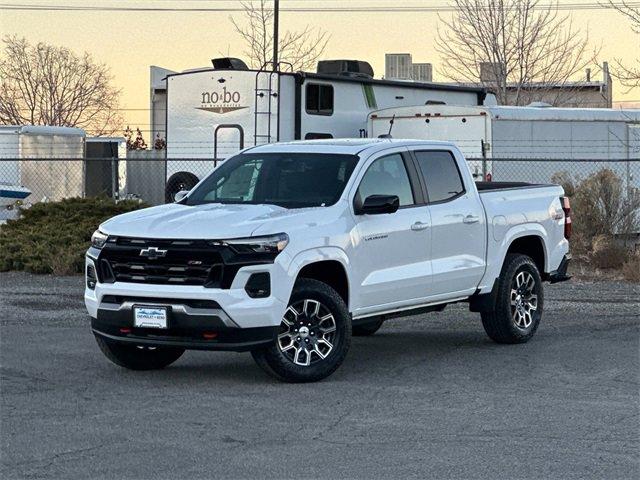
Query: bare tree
x,y
628,76
523,50
48,85
301,49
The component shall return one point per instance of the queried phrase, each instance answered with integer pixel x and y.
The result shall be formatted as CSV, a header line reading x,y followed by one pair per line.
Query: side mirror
x,y
377,204
180,195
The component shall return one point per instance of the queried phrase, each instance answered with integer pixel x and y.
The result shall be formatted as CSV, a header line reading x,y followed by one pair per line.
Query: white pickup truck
x,y
286,250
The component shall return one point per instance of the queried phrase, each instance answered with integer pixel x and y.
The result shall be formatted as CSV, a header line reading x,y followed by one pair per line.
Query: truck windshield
x,y
290,180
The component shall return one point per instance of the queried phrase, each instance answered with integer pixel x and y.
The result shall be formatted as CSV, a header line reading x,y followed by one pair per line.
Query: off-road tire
x,y
138,358
276,363
367,329
499,322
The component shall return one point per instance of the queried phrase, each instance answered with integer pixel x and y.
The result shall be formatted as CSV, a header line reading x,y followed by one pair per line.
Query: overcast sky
x,y
131,41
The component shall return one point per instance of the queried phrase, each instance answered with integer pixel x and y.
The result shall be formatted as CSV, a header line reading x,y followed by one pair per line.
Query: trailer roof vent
x,y
348,68
228,63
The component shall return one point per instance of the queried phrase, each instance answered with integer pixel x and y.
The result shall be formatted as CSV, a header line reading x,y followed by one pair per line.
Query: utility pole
x,y
276,17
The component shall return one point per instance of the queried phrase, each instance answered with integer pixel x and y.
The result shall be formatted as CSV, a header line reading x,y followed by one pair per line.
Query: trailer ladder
x,y
259,137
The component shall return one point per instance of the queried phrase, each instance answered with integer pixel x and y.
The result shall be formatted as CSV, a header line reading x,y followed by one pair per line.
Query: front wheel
x,y
136,357
519,302
314,337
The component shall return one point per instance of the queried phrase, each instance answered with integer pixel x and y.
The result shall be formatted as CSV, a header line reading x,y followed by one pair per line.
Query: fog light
x,y
92,279
258,285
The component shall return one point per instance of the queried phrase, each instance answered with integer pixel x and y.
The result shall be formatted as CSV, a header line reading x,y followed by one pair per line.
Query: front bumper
x,y
190,338
192,305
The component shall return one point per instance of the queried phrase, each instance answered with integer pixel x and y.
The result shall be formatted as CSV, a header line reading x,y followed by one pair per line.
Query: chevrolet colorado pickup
x,y
286,250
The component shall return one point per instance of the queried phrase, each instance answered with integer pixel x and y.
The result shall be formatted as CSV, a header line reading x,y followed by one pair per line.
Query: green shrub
x,y
53,237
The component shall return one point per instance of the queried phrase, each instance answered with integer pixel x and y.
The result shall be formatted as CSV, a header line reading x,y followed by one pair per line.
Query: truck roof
x,y
349,146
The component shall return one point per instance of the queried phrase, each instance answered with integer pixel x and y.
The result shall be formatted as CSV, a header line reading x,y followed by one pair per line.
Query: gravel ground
x,y
428,396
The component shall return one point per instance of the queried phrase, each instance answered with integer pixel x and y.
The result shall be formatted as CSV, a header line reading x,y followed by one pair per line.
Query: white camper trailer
x,y
212,113
529,136
45,177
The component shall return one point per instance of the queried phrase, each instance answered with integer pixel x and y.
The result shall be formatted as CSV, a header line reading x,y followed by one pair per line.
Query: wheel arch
x,y
532,246
525,242
529,239
328,265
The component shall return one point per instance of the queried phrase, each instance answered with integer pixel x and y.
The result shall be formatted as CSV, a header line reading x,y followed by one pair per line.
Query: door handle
x,y
471,219
416,227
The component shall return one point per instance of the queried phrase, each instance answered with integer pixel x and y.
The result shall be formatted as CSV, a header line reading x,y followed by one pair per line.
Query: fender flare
x,y
514,233
316,255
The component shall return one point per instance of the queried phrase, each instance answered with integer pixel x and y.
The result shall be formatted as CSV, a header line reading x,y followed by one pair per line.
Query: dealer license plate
x,y
150,317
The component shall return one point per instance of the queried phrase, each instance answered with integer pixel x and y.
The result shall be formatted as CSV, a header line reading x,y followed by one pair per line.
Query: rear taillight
x,y
566,208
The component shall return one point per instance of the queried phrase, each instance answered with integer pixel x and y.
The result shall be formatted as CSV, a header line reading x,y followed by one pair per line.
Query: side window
x,y
387,176
319,99
441,175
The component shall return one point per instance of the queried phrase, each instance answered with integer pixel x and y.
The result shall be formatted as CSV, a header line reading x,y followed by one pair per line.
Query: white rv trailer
x,y
541,135
46,177
213,113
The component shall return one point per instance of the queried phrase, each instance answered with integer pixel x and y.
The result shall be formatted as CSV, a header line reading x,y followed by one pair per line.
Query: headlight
x,y
268,244
98,239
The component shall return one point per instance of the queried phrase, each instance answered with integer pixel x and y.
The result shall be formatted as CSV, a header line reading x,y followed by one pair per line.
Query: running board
x,y
406,311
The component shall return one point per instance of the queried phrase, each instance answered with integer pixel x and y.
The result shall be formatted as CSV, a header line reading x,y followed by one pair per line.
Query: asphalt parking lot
x,y
426,397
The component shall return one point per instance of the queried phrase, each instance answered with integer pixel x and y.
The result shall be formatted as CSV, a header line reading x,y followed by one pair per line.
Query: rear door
x,y
391,261
458,227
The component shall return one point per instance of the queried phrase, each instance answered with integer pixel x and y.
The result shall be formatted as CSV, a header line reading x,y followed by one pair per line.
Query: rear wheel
x,y
369,328
519,302
136,357
314,337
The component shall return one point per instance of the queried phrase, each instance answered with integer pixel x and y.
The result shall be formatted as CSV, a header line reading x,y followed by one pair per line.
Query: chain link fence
x,y
153,179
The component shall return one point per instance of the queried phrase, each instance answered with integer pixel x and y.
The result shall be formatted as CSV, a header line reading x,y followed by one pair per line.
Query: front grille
x,y
179,262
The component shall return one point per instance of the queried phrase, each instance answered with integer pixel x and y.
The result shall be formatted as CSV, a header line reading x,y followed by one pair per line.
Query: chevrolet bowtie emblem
x,y
153,253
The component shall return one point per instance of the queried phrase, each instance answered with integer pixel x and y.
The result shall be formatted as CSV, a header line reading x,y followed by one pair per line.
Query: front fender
x,y
315,255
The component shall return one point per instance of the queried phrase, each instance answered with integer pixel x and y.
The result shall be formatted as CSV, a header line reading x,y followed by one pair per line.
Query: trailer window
x,y
319,99
441,175
317,136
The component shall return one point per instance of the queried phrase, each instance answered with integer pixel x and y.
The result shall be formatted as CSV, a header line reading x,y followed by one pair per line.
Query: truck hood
x,y
195,222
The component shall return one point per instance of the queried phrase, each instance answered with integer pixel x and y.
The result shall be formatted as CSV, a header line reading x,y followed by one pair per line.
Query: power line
x,y
324,9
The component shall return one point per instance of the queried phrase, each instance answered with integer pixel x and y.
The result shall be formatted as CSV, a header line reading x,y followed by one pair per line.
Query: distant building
x,y
398,66
158,100
586,93
422,72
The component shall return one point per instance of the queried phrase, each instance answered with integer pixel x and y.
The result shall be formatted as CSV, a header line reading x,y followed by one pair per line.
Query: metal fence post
x,y
114,179
484,160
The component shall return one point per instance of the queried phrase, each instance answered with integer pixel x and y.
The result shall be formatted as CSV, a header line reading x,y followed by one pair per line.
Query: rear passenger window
x,y
441,175
387,176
